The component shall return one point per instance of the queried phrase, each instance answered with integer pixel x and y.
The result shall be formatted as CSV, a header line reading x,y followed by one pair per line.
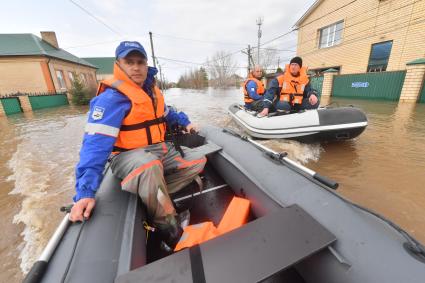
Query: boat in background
x,y
322,124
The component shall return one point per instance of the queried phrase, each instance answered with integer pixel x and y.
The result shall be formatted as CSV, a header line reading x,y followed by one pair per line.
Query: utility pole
x,y
153,53
249,59
278,61
259,23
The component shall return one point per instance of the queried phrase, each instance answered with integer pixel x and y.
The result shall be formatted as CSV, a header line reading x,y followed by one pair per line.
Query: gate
x,y
11,105
317,83
422,95
383,85
46,101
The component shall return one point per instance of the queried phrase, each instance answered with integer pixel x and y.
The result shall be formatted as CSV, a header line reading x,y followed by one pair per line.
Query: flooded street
x,y
382,169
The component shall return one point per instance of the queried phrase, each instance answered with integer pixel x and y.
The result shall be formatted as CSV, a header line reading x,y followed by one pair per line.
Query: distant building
x,y
29,64
105,66
361,36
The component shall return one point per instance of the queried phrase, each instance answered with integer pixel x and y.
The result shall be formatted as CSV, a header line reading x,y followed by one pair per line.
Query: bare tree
x,y
268,59
221,67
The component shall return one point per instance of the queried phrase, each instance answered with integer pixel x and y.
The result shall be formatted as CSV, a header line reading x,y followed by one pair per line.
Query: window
x,y
71,77
379,55
331,35
61,81
83,78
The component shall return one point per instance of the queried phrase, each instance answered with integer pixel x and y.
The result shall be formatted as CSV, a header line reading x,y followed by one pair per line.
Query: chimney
x,y
50,37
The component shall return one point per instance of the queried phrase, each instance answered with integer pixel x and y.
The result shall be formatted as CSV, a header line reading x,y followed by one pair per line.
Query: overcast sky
x,y
189,30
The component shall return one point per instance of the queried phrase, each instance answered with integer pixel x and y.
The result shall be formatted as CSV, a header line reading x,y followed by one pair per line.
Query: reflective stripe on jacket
x,y
145,123
292,88
260,89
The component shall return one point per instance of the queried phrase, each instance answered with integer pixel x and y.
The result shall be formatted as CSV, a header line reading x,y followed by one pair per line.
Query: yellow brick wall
x,y
365,22
21,75
25,74
67,67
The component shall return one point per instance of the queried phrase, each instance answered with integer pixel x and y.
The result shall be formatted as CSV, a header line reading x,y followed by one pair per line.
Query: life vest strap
x,y
143,125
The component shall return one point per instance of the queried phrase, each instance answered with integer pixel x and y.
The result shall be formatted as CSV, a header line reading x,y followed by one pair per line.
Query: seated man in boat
x,y
128,118
290,91
253,90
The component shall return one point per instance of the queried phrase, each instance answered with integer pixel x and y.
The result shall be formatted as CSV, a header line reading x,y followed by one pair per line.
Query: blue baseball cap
x,y
126,47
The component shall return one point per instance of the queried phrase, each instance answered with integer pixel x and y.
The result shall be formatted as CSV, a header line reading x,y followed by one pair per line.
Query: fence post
x,y
25,103
2,112
413,81
328,78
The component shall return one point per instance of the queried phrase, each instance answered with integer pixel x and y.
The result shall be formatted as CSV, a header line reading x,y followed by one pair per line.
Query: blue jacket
x,y
107,111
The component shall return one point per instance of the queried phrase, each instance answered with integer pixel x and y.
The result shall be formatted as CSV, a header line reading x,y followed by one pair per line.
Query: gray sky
x,y
189,30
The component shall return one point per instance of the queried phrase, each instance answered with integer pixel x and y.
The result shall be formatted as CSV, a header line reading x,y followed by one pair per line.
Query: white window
x,y
61,81
71,77
331,35
83,78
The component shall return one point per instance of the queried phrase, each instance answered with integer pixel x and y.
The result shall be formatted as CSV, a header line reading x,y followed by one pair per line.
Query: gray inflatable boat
x,y
300,230
322,124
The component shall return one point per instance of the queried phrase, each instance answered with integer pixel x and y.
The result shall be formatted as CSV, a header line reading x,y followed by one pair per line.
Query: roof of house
x,y
26,44
105,64
308,12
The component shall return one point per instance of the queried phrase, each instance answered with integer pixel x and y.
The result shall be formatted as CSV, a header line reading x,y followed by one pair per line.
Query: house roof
x,y
27,44
308,12
105,64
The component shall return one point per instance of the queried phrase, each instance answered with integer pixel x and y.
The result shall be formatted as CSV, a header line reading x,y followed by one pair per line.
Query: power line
x,y
95,17
198,40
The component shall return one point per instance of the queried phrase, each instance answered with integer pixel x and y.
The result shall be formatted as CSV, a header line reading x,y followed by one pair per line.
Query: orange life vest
x,y
236,215
292,88
145,123
260,88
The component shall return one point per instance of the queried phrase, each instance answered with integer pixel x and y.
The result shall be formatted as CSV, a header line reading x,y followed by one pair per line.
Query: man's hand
x,y
82,209
191,128
312,99
263,113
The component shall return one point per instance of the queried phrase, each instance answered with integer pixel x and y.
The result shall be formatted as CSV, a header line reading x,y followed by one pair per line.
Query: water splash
x,y
42,169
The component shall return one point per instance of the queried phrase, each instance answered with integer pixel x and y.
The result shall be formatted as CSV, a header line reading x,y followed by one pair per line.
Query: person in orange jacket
x,y
128,118
253,90
290,91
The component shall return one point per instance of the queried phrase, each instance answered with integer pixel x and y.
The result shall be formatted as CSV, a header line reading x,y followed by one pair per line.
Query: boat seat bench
x,y
252,253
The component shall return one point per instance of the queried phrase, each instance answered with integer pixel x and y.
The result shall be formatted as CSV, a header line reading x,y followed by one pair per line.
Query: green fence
x,y
11,105
317,83
422,95
383,85
46,101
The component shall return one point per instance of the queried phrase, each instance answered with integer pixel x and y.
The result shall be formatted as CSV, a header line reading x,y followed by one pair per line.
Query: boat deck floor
x,y
210,206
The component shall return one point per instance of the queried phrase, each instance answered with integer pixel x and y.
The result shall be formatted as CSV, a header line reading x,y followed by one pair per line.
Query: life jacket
x,y
292,88
236,215
260,88
145,123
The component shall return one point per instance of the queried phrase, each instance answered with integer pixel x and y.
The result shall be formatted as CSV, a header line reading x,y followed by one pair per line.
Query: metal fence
x,y
47,101
383,85
11,105
317,84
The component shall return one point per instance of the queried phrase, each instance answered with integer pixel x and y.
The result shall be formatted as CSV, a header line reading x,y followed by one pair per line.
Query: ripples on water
x,y
382,169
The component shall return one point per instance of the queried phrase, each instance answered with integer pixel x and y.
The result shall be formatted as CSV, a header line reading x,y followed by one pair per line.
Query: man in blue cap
x,y
127,123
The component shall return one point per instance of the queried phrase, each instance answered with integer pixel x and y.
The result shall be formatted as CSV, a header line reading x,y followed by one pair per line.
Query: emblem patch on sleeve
x,y
98,113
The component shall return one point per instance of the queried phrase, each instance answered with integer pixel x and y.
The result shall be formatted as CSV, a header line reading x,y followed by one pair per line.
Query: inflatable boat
x,y
322,124
299,230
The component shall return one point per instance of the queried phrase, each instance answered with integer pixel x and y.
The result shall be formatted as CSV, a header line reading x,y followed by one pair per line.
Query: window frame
x,y
377,70
332,34
61,79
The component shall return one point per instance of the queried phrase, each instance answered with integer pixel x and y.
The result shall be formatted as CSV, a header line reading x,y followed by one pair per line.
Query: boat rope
x,y
412,246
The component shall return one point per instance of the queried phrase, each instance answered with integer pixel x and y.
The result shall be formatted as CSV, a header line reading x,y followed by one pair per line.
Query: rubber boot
x,y
171,232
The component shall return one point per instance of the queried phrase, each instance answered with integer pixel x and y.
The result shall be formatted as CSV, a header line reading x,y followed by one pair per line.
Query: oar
x,y
282,158
39,268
